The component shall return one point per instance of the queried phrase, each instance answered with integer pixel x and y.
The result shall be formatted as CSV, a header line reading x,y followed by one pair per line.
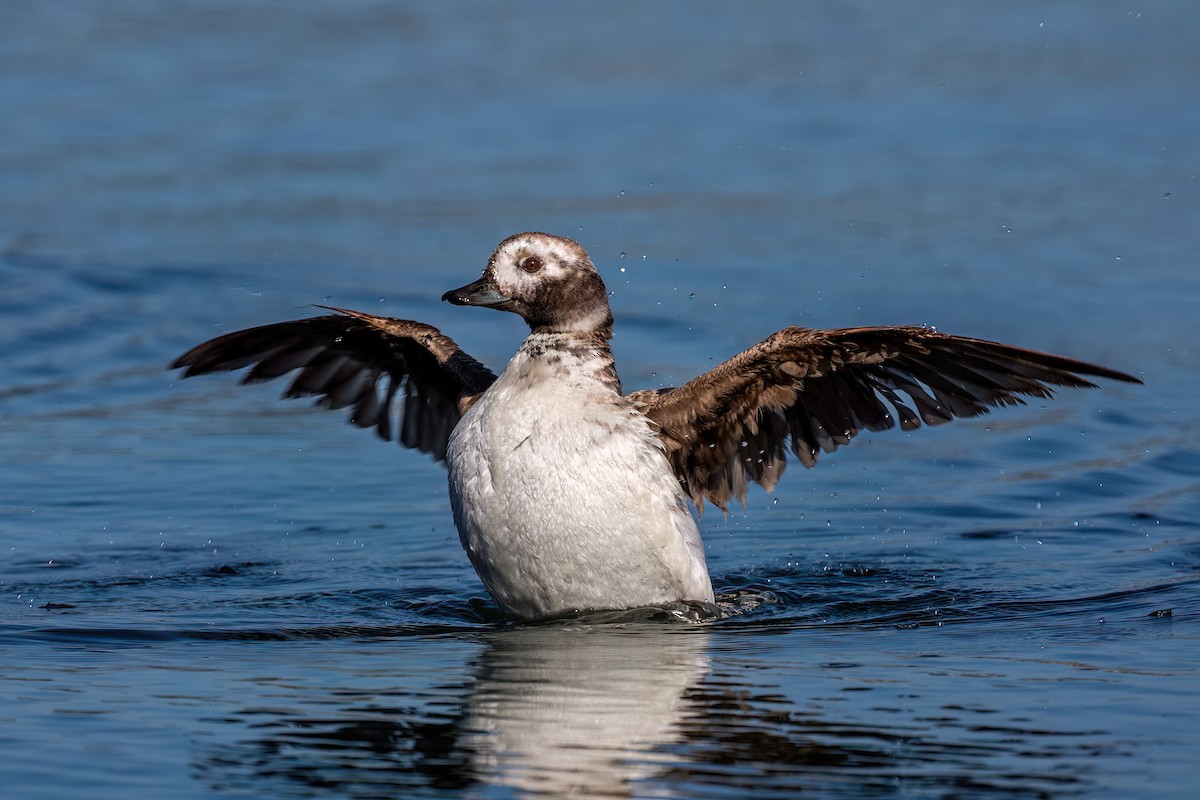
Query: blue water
x,y
211,593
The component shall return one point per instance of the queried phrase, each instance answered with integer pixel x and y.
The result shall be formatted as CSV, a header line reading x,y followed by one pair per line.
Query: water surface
x,y
208,592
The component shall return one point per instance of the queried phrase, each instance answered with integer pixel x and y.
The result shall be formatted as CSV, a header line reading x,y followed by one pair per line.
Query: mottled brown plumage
x,y
343,359
818,388
804,390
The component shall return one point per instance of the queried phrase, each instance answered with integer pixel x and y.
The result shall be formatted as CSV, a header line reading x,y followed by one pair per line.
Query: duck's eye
x,y
531,264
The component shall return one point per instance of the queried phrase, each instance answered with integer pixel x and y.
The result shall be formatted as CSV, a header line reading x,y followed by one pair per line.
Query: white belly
x,y
564,503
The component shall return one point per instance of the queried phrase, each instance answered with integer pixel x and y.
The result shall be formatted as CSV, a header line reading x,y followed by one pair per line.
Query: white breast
x,y
563,499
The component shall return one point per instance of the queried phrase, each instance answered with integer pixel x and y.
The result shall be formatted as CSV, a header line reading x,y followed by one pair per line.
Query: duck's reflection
x,y
603,710
569,712
564,709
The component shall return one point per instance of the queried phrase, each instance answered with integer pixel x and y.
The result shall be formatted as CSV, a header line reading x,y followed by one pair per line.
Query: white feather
x,y
563,498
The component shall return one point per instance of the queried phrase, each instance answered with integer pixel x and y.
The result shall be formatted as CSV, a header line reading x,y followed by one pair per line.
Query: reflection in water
x,y
569,712
632,711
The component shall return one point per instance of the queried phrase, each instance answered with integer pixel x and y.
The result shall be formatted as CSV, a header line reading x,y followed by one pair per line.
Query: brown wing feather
x,y
359,361
815,390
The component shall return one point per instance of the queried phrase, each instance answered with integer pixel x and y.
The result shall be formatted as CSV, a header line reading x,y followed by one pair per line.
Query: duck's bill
x,y
479,293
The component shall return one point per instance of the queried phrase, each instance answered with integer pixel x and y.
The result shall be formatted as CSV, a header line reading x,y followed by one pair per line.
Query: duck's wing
x,y
821,387
361,361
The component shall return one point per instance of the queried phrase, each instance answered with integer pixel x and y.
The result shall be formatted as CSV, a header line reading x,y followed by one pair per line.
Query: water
x,y
207,592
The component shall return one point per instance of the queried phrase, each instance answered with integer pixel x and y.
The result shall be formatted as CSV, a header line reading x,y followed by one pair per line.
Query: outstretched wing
x,y
359,361
820,388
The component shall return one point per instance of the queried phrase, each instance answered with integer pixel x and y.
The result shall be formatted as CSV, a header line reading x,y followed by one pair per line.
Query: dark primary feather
x,y
817,389
359,361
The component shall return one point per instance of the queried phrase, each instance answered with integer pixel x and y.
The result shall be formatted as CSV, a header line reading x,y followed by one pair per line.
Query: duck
x,y
572,496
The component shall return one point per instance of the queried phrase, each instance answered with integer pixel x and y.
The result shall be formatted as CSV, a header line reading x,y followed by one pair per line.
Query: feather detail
x,y
819,388
361,361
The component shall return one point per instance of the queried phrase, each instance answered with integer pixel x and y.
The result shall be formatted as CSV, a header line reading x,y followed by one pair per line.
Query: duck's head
x,y
548,280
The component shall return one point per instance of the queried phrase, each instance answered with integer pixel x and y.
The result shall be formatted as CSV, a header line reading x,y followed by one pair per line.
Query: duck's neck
x,y
573,355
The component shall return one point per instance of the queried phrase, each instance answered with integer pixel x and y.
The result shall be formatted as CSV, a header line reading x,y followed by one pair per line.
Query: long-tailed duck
x,y
570,495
